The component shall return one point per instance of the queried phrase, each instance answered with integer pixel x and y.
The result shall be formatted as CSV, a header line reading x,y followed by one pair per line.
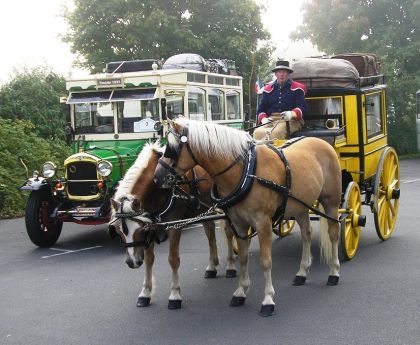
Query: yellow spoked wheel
x,y
350,226
235,243
284,228
386,194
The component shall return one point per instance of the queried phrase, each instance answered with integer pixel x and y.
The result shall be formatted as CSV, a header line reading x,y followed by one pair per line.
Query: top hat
x,y
282,64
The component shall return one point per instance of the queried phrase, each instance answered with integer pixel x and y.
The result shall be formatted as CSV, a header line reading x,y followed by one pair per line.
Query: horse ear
x,y
115,204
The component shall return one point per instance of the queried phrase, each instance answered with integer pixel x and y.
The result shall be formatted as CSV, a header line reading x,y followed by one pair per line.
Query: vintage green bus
x,y
111,116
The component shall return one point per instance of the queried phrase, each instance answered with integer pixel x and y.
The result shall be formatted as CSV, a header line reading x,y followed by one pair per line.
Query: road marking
x,y
410,181
65,251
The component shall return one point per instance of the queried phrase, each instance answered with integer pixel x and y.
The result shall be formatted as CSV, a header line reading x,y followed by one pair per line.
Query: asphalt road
x,y
81,292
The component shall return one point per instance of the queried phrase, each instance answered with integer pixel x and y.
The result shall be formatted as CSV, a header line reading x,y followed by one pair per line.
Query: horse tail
x,y
325,241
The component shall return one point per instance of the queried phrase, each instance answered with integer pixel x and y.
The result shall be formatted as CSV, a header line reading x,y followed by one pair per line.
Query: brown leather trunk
x,y
367,65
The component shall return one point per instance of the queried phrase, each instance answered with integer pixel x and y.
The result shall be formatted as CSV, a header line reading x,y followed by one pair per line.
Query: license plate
x,y
85,212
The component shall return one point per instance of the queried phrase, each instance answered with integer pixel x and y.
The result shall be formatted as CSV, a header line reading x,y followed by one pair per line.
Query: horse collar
x,y
244,185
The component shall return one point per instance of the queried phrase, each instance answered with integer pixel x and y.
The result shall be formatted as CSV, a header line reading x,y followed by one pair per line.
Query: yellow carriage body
x,y
354,120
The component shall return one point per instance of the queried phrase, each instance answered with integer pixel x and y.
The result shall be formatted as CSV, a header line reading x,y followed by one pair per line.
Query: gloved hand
x,y
288,115
266,120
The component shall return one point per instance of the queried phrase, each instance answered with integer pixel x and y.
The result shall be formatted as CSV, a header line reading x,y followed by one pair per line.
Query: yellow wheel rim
x,y
284,228
350,230
386,194
235,247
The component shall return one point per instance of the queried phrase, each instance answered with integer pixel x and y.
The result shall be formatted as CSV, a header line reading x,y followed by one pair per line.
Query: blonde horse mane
x,y
132,175
214,139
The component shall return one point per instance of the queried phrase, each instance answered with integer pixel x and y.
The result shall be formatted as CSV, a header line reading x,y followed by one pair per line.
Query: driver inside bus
x,y
282,99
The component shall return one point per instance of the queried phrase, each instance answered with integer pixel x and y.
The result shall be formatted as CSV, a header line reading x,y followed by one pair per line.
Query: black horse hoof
x,y
299,280
230,273
332,280
143,302
237,301
174,304
267,310
210,274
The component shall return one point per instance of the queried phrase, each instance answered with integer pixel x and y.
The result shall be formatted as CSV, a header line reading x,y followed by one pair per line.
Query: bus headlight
x,y
104,168
48,169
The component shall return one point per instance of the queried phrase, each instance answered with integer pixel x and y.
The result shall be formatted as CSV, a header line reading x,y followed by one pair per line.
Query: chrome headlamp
x,y
48,169
104,168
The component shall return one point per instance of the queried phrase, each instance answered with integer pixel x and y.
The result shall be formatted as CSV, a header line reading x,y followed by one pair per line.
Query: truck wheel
x,y
43,230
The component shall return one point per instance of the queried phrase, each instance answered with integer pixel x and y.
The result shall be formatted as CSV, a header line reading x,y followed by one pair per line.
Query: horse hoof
x,y
237,301
210,274
267,310
143,302
332,280
230,273
299,280
174,304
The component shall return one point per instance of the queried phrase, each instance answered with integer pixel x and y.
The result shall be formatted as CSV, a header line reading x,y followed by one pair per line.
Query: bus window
x,y
216,105
174,105
373,114
196,107
130,113
233,105
94,118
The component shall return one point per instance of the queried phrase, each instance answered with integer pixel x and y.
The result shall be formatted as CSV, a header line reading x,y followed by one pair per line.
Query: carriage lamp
x,y
104,168
48,169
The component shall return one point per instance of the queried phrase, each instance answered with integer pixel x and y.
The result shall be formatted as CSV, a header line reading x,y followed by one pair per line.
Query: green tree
x,y
34,95
114,30
18,141
388,28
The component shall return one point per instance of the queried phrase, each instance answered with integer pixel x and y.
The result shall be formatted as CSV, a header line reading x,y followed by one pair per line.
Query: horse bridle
x,y
172,176
149,233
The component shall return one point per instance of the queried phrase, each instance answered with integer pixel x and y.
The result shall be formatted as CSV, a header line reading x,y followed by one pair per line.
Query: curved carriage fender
x,y
35,183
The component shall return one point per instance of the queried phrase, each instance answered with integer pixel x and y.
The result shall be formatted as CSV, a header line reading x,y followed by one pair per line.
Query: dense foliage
x,y
18,140
388,28
34,95
114,30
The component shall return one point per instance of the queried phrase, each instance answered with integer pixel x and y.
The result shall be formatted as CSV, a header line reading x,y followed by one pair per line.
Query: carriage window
x,y
216,105
373,107
94,118
233,105
196,103
137,116
174,105
322,109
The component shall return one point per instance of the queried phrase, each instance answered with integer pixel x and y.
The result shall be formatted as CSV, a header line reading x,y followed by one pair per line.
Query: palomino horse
x,y
138,202
250,192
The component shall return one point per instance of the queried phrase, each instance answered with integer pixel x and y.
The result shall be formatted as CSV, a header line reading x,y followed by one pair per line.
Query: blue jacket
x,y
275,99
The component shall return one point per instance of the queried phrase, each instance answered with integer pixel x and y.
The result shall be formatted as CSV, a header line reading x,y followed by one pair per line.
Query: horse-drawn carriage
x,y
346,107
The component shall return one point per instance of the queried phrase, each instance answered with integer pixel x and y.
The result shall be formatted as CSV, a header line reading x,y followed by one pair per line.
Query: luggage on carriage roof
x,y
366,64
324,72
131,66
186,61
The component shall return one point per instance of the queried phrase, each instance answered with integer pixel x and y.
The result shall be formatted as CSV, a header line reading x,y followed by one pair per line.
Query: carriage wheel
x,y
350,226
235,243
386,194
284,228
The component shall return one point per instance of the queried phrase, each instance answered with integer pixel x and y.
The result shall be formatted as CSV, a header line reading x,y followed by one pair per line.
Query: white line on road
x,y
64,251
411,181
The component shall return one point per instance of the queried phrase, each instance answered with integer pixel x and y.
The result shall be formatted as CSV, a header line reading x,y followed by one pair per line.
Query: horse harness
x,y
152,231
247,179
